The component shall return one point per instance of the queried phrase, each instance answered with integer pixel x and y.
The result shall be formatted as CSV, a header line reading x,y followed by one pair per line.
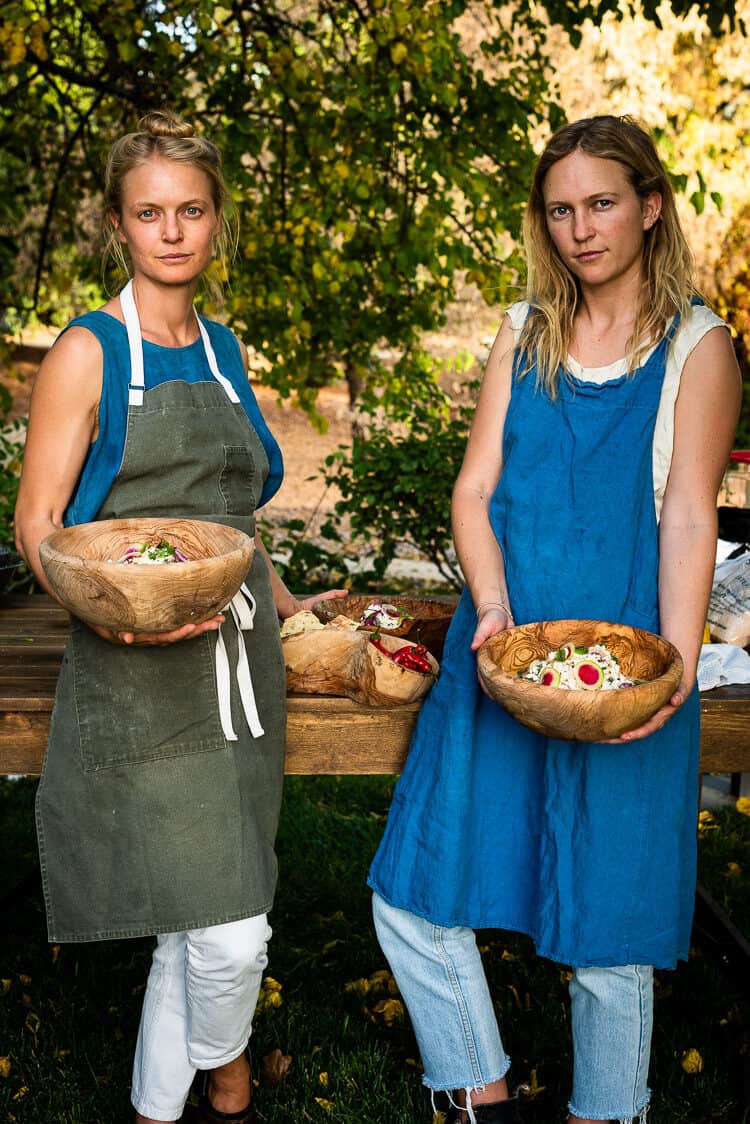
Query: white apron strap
x,y
135,346
242,607
229,390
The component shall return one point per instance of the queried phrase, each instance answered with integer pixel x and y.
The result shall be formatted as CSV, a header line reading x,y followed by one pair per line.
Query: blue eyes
x,y
562,211
192,212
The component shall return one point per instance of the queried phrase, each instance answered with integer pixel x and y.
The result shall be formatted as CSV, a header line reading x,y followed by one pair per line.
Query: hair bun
x,y
164,123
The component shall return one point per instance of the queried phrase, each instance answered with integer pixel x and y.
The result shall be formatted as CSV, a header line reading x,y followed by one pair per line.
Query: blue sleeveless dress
x,y
162,364
588,848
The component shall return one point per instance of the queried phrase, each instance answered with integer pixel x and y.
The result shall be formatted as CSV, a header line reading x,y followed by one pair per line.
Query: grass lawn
x,y
68,1015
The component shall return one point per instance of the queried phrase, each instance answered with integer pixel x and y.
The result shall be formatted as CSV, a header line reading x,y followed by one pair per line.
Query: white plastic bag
x,y
729,608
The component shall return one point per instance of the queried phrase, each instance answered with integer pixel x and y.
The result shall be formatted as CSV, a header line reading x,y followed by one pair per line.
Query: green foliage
x,y
719,15
12,436
725,860
372,158
305,563
396,479
732,286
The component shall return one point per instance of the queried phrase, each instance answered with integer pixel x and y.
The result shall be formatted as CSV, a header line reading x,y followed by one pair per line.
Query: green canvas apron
x,y
150,817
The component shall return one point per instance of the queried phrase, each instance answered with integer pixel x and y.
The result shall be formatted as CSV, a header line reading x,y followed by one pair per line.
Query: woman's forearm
x,y
477,548
687,557
30,533
284,601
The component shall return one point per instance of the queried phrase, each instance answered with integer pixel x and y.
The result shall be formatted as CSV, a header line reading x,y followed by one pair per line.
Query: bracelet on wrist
x,y
494,605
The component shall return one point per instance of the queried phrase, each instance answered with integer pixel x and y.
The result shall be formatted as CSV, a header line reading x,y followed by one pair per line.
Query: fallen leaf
x,y
5,1067
327,1106
274,1067
692,1062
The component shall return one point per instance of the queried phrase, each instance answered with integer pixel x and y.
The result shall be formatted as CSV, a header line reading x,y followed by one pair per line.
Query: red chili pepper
x,y
413,657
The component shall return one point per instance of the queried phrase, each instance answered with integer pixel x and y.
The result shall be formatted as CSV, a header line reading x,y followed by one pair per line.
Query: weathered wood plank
x,y
324,735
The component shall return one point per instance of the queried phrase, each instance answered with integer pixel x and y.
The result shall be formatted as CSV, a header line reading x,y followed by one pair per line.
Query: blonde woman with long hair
x,y
158,805
588,490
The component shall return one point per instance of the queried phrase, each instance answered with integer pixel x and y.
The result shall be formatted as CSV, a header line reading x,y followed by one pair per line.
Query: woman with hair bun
x,y
158,806
588,490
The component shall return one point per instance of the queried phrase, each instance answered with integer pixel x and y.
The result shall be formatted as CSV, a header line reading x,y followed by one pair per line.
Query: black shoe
x,y
497,1112
207,1114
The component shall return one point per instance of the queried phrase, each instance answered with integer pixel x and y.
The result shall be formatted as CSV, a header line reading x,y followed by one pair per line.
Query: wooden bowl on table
x,y
579,715
426,624
78,562
342,661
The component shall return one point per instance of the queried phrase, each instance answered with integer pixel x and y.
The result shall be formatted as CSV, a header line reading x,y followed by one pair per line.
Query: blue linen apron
x,y
588,848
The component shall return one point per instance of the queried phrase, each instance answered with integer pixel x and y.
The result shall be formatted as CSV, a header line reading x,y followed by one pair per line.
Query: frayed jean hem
x,y
638,1118
460,1083
469,1091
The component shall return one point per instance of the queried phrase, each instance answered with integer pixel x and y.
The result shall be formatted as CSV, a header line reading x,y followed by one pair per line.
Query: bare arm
x,y
706,415
62,424
477,548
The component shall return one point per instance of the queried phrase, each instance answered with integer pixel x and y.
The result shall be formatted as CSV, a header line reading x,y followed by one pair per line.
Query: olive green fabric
x,y
148,820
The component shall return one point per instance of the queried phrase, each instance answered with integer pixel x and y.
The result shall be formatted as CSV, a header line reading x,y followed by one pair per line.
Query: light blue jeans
x,y
440,975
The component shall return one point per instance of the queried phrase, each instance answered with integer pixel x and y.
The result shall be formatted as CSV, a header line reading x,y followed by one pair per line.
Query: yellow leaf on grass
x,y
323,1079
5,1067
361,986
692,1062
327,1106
21,1093
734,870
392,1011
5,986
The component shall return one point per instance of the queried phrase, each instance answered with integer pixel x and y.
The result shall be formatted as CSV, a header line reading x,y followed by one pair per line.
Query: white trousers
x,y
197,1011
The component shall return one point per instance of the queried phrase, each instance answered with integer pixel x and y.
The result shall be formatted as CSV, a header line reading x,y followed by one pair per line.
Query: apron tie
x,y
242,607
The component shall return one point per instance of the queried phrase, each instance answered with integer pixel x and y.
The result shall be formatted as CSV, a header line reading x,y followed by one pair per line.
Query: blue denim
x,y
440,975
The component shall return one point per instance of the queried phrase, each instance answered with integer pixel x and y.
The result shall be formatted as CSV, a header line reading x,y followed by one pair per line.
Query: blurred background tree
x,y
376,152
379,154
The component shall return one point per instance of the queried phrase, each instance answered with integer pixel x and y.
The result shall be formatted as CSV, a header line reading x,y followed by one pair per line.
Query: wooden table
x,y
324,735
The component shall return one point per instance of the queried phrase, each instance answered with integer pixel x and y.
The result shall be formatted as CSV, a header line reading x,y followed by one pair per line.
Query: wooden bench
x,y
324,735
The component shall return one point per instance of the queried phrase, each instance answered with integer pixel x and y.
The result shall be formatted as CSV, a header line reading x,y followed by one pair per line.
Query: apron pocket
x,y
143,704
236,480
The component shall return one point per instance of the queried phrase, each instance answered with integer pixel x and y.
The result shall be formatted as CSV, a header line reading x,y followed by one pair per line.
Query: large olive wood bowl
x,y
138,598
427,623
340,661
579,715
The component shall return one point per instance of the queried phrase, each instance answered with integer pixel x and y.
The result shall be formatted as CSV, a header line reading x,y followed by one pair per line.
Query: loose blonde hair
x,y
162,133
552,290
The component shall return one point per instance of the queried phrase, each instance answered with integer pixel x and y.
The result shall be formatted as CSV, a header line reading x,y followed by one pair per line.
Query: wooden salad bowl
x,y
342,661
579,715
427,622
136,598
